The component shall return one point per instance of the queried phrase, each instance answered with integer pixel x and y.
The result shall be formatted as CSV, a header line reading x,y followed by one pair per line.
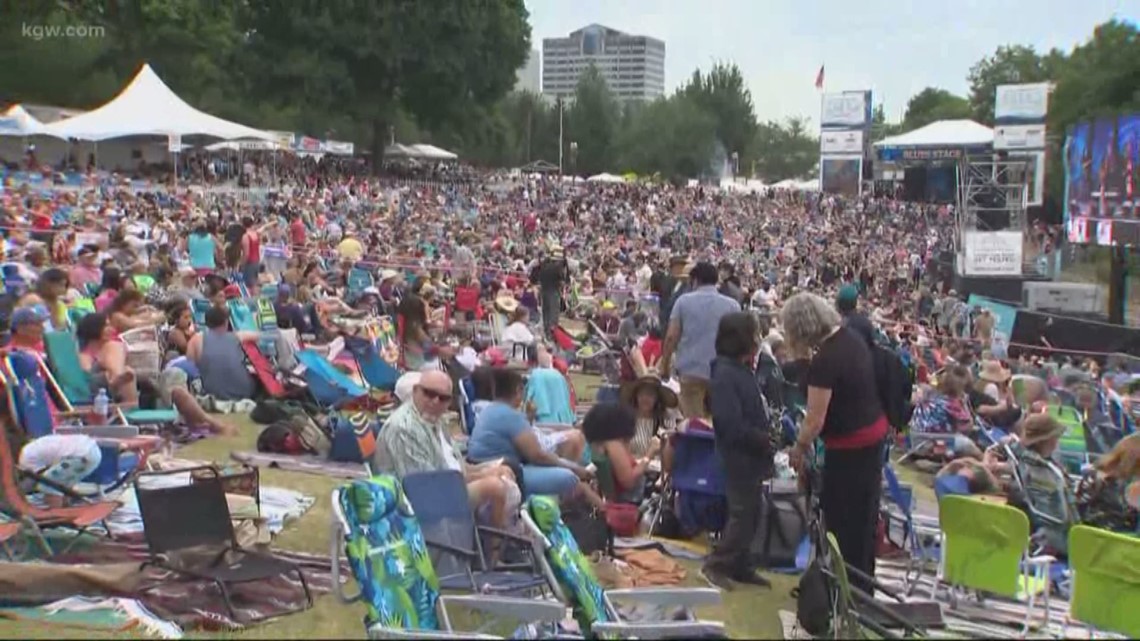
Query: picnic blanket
x,y
106,615
307,463
195,605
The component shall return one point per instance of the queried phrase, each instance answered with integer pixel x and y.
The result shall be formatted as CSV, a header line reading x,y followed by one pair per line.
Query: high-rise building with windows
x,y
633,66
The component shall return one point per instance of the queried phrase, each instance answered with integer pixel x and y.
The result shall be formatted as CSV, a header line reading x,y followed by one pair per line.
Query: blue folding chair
x,y
439,499
329,386
375,370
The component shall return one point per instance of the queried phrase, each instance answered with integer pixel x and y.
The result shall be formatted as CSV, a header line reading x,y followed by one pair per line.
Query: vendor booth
x,y
926,160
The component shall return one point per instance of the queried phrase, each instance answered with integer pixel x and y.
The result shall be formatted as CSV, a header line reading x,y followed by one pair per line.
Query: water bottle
x,y
103,404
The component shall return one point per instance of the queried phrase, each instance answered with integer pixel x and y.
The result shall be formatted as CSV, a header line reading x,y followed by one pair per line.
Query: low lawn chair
x,y
16,506
375,527
456,540
194,519
124,452
375,370
921,537
198,309
75,388
7,531
594,609
985,547
329,386
1106,583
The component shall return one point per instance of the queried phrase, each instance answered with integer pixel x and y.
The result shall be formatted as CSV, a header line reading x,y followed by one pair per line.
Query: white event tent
x,y
16,121
605,178
147,107
944,133
431,152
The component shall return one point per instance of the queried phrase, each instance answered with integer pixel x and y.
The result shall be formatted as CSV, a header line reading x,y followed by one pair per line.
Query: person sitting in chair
x,y
414,439
611,429
1045,493
218,354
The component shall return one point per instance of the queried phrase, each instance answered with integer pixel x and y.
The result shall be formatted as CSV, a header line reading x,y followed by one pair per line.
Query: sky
x,y
894,48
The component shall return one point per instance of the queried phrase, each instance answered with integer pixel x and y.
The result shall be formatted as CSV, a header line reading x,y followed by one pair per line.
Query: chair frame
x,y
527,610
161,559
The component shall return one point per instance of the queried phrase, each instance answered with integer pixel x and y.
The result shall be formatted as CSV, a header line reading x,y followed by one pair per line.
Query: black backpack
x,y
895,386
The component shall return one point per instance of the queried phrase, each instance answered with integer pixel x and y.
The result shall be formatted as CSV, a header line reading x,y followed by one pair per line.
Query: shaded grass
x,y
749,612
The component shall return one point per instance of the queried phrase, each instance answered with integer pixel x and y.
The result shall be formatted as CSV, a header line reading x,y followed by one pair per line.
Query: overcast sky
x,y
894,48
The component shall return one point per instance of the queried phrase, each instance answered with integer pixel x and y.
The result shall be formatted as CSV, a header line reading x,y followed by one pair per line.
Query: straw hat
x,y
665,396
387,274
506,303
1039,428
993,372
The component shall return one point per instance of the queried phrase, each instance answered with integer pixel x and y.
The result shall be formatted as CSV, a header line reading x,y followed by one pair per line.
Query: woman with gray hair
x,y
843,409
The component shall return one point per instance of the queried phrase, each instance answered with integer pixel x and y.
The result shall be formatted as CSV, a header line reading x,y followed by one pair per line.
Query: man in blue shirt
x,y
692,337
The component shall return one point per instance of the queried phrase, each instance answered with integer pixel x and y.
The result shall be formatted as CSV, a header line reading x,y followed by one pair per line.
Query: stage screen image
x,y
841,175
1102,160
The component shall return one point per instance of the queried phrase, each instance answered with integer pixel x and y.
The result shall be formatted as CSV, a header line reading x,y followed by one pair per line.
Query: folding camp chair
x,y
329,386
1073,449
198,309
985,547
124,452
75,388
189,531
440,501
1106,589
574,582
921,536
377,372
266,314
375,527
16,506
241,316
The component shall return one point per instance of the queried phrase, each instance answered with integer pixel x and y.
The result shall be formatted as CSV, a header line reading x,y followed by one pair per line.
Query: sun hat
x,y
27,316
405,384
1039,428
992,372
387,274
506,303
665,396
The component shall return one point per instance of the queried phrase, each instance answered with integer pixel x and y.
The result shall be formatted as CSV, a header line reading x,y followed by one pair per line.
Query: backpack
x,y
895,386
813,600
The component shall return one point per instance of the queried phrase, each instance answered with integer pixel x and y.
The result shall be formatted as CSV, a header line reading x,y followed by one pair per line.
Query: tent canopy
x,y
16,121
147,107
605,178
944,133
431,152
539,166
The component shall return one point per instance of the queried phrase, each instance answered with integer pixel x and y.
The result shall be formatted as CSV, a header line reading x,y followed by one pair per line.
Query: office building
x,y
529,76
633,66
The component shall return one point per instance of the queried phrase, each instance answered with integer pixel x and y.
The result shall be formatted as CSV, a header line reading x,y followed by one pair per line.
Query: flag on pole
x,y
819,78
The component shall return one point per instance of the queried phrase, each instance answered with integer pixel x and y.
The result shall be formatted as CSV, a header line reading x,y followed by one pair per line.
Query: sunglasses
x,y
433,395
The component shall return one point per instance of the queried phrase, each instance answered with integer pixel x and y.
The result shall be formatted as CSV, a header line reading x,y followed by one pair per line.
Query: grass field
x,y
749,612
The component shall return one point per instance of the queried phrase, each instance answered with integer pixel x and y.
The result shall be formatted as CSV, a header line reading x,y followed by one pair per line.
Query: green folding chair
x,y
1106,581
985,547
74,384
1073,448
594,608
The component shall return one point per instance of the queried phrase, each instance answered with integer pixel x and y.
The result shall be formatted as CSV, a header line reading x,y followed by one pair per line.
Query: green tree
x,y
880,128
1010,64
439,61
672,136
785,150
722,94
592,123
933,104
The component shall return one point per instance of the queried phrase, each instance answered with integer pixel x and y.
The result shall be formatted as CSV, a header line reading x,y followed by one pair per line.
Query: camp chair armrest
x,y
100,431
381,632
684,597
1043,559
525,610
660,630
503,534
554,427
469,555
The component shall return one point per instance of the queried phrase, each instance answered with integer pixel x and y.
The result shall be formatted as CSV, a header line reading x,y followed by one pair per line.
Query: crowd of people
x,y
710,291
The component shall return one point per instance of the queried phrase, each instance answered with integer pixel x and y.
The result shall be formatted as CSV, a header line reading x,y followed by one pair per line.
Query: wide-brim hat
x,y
506,303
993,372
386,274
1041,427
665,396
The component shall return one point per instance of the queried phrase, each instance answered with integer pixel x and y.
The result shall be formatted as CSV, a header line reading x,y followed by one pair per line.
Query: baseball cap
x,y
26,315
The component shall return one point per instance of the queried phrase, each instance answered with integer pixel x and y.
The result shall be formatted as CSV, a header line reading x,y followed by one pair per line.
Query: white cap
x,y
406,384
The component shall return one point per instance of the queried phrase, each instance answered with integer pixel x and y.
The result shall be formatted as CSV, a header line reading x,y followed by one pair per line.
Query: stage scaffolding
x,y
991,190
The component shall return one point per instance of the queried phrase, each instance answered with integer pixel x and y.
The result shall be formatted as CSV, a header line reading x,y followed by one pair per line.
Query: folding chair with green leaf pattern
x,y
373,523
985,547
597,617
1106,581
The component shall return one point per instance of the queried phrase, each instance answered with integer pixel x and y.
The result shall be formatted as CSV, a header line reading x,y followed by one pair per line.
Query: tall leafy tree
x,y
933,104
435,59
1009,64
592,124
785,150
673,137
723,94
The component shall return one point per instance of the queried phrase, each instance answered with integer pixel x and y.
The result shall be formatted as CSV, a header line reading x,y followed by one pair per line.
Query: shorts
x,y
554,481
694,391
551,440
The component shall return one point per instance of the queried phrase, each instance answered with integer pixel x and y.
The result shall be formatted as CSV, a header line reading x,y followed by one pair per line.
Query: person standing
x,y
251,252
843,408
551,276
741,426
691,337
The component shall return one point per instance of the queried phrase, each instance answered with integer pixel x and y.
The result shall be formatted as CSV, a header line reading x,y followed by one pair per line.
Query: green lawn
x,y
749,612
